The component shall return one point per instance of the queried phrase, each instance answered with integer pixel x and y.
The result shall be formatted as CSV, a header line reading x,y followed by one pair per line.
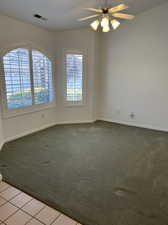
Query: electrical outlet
x,y
132,115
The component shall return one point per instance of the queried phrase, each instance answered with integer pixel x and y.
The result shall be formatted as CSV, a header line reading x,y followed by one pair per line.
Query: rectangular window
x,y
74,68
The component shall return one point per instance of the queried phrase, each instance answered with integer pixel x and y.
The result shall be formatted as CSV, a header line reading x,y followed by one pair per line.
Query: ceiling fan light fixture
x,y
105,21
95,24
106,29
115,24
108,17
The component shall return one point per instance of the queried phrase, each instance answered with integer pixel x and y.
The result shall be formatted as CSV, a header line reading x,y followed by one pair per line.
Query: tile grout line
x,y
21,208
18,208
5,188
3,204
8,201
28,221
10,215
56,218
10,198
33,217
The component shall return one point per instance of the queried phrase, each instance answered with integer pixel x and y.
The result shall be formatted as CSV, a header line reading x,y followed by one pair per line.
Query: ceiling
x,y
63,14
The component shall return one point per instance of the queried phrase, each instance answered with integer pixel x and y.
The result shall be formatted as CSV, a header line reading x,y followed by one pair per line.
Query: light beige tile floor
x,y
18,208
62,220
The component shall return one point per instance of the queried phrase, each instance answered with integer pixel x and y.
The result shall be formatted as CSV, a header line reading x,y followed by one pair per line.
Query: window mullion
x,y
31,77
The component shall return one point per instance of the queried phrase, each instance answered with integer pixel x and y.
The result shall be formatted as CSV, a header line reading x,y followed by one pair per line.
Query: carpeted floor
x,y
99,174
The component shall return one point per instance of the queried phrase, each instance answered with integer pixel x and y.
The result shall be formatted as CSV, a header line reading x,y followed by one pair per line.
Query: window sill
x,y
78,104
27,110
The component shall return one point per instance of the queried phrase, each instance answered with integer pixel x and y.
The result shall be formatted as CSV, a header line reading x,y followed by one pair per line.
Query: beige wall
x,y
84,40
134,71
15,32
1,134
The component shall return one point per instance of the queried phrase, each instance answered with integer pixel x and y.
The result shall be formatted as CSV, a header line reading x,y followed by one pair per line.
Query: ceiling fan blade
x,y
88,17
118,8
123,16
95,10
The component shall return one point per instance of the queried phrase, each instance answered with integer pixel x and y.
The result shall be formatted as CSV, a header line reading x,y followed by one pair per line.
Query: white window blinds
x,y
17,78
74,66
42,74
28,78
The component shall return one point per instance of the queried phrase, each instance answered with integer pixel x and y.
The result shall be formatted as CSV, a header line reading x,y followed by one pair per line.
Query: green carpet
x,y
99,174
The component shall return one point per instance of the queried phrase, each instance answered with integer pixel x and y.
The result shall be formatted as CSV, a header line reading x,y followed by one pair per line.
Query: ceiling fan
x,y
107,16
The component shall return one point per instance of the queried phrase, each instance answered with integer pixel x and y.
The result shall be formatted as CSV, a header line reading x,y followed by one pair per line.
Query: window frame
x,y
7,113
84,78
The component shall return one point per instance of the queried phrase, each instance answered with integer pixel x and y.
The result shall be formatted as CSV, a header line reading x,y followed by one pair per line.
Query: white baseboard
x,y
84,121
133,124
45,127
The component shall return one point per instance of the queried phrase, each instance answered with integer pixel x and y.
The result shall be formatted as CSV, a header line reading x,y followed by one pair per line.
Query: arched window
x,y
27,78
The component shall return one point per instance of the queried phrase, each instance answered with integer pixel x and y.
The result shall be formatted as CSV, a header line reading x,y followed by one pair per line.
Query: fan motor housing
x,y
105,11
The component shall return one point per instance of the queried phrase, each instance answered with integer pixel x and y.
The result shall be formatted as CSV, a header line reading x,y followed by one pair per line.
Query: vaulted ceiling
x,y
63,14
